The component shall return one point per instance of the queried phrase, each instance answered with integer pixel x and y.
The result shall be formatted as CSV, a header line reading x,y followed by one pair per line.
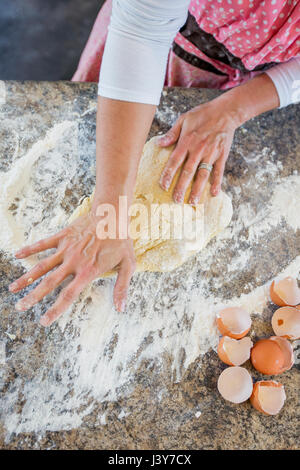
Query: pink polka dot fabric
x,y
255,31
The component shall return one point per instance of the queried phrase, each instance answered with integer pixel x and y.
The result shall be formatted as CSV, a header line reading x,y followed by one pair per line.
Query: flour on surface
x,y
103,350
95,351
2,93
283,205
34,186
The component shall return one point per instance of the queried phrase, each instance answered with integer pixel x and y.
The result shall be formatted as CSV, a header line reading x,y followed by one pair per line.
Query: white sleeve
x,y
135,57
286,78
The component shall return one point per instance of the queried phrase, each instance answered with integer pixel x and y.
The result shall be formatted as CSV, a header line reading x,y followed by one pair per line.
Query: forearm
x,y
251,99
130,84
122,129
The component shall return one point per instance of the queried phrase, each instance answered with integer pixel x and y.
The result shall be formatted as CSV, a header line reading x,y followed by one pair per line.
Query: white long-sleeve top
x,y
140,35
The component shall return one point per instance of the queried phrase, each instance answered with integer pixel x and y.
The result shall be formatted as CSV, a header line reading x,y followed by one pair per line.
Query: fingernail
x,y
194,200
178,197
122,305
19,306
44,320
13,286
159,138
23,305
165,183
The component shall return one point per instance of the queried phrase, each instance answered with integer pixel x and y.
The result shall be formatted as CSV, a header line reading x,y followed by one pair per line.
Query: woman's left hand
x,y
202,135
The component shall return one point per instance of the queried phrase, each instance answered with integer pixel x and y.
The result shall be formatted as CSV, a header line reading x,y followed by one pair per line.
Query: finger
x,y
176,159
200,181
172,135
41,245
65,299
46,286
122,283
217,176
185,178
37,271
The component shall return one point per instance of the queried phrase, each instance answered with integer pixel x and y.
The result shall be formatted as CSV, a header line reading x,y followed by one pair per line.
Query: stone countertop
x,y
162,403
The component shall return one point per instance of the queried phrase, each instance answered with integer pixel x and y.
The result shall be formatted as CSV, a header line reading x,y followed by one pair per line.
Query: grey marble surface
x,y
144,417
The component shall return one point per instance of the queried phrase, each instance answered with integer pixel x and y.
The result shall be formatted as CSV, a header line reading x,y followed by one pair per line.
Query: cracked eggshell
x,y
234,322
287,351
235,384
285,292
272,356
286,322
234,352
268,397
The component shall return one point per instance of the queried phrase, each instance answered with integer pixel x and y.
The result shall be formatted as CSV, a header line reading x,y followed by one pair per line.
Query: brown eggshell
x,y
255,399
239,355
235,384
275,298
222,353
267,357
287,351
285,292
226,330
286,322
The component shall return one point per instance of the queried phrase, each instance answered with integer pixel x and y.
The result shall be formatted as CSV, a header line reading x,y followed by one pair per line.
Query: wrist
x,y
251,99
235,107
113,196
112,214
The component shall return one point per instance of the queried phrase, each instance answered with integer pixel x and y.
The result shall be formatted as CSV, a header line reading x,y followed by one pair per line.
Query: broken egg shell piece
x,y
234,322
286,322
272,356
287,351
285,292
235,384
234,352
268,397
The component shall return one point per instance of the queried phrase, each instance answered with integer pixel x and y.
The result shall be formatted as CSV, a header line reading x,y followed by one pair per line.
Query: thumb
x,y
171,136
126,271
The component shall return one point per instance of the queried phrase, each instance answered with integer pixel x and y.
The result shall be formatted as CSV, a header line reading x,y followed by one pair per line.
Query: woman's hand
x,y
80,253
205,133
202,135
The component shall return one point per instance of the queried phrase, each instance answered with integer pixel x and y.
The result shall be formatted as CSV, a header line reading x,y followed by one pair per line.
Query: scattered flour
x,y
2,93
26,186
103,419
103,349
283,205
122,414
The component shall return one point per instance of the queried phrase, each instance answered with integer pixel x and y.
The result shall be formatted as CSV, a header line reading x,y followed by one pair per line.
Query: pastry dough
x,y
158,253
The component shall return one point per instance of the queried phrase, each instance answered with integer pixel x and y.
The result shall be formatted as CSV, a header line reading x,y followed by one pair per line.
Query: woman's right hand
x,y
80,253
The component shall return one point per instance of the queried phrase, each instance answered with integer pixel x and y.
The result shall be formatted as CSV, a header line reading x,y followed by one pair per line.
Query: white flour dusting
x,y
2,93
283,205
25,212
103,349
